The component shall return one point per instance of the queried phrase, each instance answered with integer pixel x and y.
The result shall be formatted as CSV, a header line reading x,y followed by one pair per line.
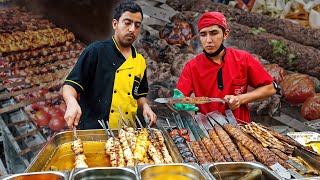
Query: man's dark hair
x,y
222,28
130,6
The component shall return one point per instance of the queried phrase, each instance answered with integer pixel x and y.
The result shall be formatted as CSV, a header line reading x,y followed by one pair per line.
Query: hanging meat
x,y
310,109
176,33
297,88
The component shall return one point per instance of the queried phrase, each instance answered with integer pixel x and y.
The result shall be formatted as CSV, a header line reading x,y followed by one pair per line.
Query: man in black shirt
x,y
108,75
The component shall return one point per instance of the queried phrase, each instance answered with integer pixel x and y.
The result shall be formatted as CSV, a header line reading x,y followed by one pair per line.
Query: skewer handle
x,y
169,124
139,121
108,128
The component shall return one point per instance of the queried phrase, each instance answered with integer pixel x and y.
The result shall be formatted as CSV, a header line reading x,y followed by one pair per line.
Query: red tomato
x,y
42,118
54,111
174,132
37,106
63,107
57,123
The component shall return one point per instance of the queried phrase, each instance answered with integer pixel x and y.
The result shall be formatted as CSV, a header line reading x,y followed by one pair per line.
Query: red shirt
x,y
239,69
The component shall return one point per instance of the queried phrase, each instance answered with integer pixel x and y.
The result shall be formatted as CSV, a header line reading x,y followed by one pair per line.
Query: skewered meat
x,y
174,133
166,156
263,156
282,138
190,100
157,145
77,146
110,150
279,153
154,154
46,51
186,154
205,152
178,139
119,152
246,154
228,144
18,41
80,161
181,146
213,150
190,159
198,152
126,149
141,145
267,139
219,145
132,137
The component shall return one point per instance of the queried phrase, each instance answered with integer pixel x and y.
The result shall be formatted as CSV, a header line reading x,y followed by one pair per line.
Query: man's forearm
x,y
141,102
69,93
258,94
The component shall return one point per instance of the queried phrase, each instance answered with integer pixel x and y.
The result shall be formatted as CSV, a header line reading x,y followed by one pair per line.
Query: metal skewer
x,y
108,128
139,122
103,126
75,132
170,127
148,127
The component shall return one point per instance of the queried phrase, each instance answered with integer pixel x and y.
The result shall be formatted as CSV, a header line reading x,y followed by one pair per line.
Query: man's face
x,y
212,37
127,28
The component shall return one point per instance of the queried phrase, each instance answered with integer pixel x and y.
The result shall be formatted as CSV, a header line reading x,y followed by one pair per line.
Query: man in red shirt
x,y
223,72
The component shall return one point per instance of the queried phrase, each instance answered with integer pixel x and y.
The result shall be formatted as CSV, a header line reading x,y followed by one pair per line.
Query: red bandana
x,y
212,18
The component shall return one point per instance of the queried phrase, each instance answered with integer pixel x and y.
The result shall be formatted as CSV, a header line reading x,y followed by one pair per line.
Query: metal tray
x,y
311,159
235,170
44,156
175,171
111,173
38,175
166,132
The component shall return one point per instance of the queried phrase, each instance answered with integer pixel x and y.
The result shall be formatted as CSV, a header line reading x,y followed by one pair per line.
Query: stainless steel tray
x,y
38,175
111,173
172,171
235,170
44,156
311,159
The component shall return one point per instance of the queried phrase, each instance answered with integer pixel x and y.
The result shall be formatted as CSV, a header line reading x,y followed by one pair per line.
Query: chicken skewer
x,y
126,149
166,156
77,148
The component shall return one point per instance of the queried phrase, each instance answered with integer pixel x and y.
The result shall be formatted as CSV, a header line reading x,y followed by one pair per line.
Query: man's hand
x,y
73,113
234,102
184,107
149,114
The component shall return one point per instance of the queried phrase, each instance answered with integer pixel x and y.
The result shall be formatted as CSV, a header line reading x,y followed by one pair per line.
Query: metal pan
x,y
37,175
191,171
93,141
235,170
111,173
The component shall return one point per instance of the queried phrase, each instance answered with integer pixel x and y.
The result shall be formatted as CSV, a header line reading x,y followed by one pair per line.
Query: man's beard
x,y
125,43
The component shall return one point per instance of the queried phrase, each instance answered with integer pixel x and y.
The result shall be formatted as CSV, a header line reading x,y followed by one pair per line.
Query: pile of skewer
x,y
133,147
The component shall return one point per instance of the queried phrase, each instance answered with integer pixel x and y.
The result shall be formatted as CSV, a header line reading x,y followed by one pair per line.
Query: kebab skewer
x,y
77,148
